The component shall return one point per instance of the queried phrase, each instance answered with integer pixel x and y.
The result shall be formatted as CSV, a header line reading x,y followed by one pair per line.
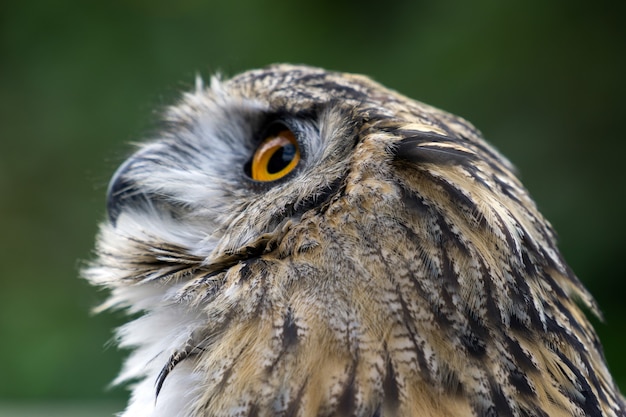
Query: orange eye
x,y
275,157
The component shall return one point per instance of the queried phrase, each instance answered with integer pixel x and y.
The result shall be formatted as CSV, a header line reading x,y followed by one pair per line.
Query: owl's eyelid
x,y
282,121
272,128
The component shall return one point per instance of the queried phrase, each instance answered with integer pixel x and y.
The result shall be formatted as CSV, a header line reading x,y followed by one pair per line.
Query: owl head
x,y
298,242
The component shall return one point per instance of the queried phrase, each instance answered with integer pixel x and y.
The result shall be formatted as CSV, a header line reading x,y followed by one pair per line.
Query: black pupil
x,y
281,158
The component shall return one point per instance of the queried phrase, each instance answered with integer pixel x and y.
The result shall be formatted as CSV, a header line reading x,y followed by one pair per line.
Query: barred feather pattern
x,y
401,270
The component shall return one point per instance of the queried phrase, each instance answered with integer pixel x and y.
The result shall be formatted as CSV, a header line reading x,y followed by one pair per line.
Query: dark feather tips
x,y
432,148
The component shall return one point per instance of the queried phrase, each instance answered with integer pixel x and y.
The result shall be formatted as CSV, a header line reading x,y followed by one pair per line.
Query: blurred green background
x,y
544,81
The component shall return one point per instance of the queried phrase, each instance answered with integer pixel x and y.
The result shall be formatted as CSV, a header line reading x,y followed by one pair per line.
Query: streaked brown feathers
x,y
401,270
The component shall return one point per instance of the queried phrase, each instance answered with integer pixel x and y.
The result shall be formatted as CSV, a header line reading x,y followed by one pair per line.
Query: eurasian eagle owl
x,y
308,243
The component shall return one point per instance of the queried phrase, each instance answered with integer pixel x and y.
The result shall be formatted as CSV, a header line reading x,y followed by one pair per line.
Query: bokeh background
x,y
544,81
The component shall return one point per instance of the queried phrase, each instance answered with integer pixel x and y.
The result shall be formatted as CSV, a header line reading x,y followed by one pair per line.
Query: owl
x,y
300,242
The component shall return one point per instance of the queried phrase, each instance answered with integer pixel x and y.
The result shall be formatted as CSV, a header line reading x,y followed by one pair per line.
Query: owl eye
x,y
276,156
